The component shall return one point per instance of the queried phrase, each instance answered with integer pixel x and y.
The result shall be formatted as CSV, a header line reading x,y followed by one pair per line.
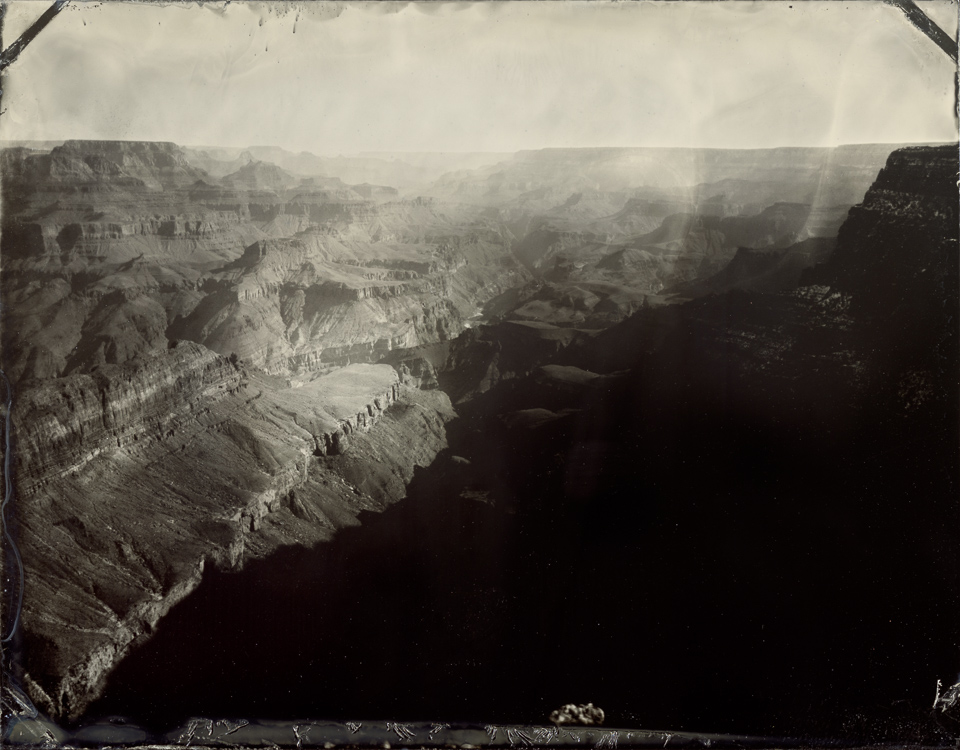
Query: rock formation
x,y
133,478
146,305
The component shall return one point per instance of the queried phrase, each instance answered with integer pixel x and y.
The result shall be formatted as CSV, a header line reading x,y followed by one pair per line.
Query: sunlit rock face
x,y
133,478
147,305
111,249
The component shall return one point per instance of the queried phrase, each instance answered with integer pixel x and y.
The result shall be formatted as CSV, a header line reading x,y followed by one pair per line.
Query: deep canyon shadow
x,y
719,575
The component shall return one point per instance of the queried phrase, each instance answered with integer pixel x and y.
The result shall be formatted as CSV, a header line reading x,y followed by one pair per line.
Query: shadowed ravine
x,y
726,599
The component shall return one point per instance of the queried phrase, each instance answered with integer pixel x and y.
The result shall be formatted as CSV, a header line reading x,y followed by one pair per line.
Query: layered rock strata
x,y
132,479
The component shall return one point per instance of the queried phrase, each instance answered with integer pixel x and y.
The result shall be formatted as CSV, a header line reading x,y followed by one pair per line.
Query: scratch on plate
x,y
948,699
609,739
11,544
11,53
518,735
301,732
402,730
190,733
924,23
544,735
230,726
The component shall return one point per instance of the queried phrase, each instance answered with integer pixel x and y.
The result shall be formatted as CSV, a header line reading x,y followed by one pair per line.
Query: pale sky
x,y
491,76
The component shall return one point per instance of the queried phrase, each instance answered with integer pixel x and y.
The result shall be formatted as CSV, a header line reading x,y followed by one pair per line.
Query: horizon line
x,y
55,142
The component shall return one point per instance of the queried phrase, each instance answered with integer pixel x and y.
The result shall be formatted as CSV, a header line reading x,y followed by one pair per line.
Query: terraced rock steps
x,y
197,462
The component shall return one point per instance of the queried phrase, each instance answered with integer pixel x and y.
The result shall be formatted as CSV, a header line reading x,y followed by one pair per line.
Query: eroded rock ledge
x,y
134,478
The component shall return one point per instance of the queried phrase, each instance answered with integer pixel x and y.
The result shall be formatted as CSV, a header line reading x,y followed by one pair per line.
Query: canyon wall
x,y
129,481
187,357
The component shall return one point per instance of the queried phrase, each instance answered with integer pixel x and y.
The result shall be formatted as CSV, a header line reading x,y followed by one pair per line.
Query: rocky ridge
x,y
615,226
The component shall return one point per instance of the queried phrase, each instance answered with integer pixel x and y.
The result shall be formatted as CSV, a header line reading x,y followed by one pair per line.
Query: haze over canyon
x,y
674,428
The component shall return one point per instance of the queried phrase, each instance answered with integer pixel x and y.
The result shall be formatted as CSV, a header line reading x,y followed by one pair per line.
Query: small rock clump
x,y
586,714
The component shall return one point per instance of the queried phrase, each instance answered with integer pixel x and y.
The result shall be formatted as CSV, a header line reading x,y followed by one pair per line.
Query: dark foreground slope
x,y
734,515
773,477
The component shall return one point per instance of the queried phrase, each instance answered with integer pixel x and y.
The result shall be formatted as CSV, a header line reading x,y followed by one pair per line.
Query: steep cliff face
x,y
315,301
901,240
63,424
862,354
641,221
131,479
85,166
588,284
884,299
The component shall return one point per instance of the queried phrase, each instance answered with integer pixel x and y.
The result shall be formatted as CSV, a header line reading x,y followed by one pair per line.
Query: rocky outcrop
x,y
63,424
873,322
291,277
418,372
901,242
598,277
105,165
143,456
177,404
672,216
259,175
770,270
481,358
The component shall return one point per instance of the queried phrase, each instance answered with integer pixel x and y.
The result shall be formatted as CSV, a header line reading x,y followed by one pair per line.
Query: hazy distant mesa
x,y
296,262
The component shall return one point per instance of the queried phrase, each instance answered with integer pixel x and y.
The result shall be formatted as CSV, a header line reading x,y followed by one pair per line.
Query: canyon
x,y
742,359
